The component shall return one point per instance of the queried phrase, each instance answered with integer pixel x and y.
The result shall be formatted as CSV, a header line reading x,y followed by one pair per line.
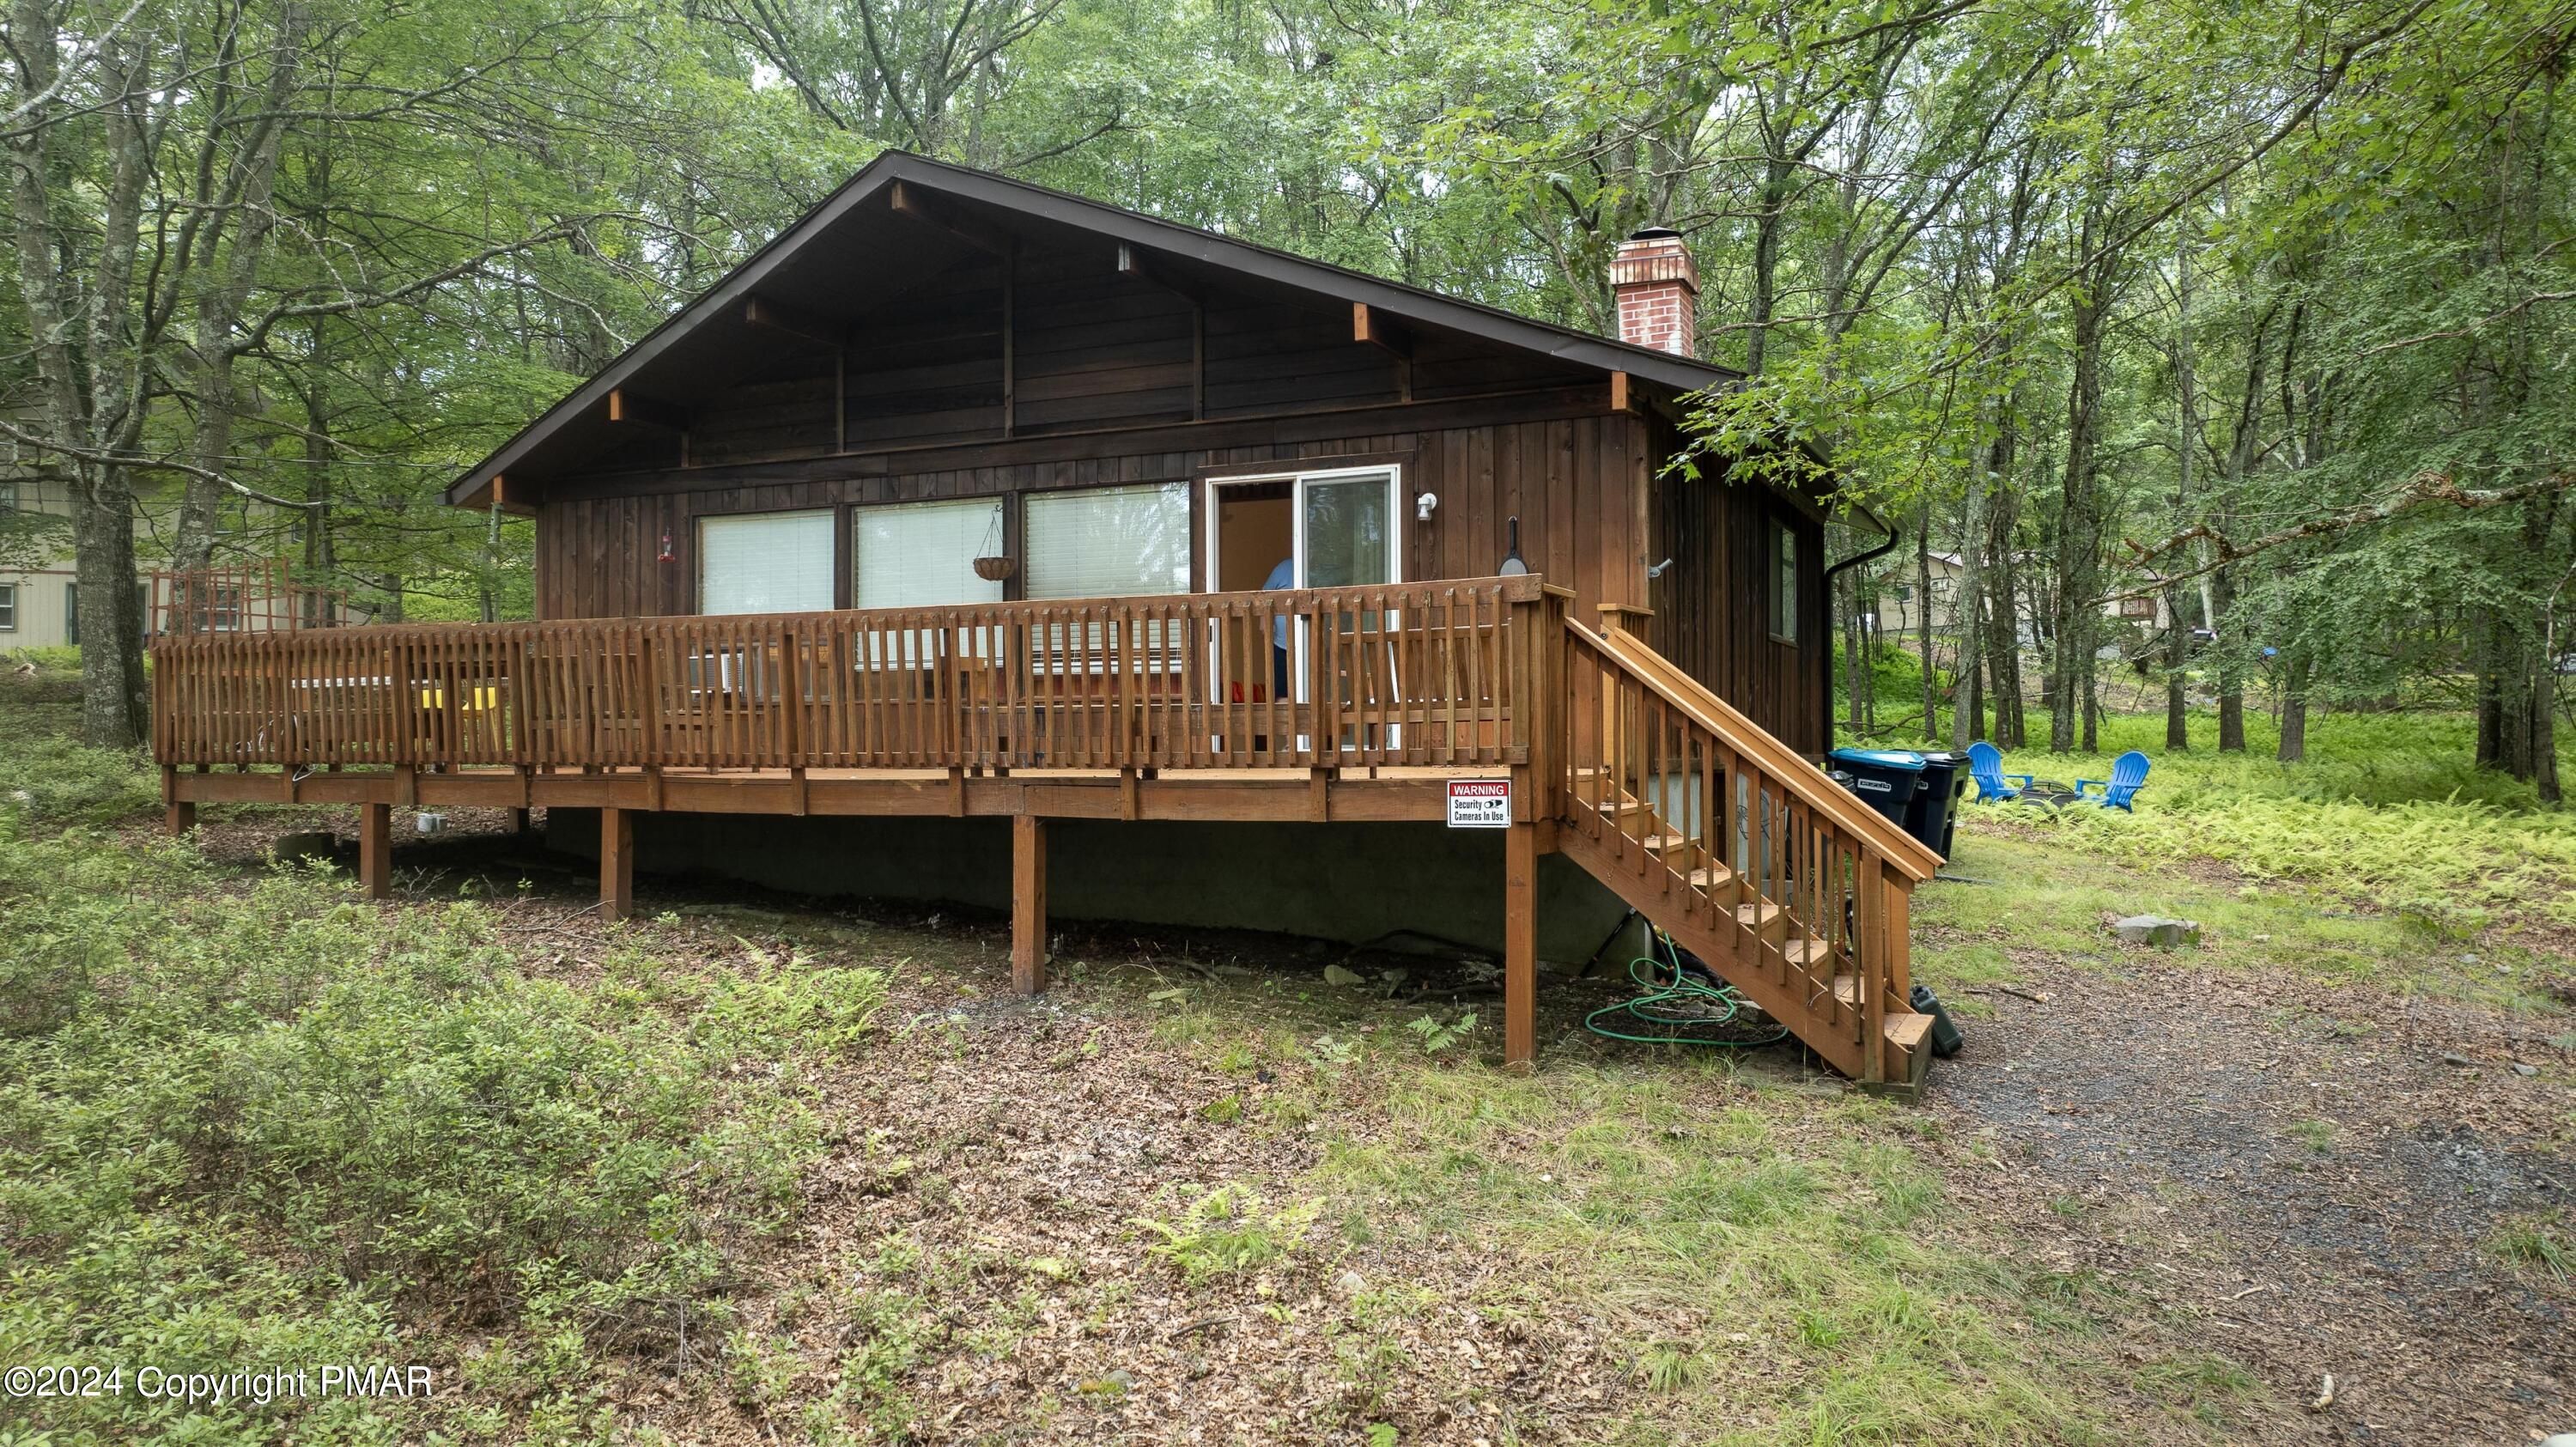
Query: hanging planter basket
x,y
994,568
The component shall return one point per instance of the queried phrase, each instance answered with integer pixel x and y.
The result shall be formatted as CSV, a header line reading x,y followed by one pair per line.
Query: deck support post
x,y
1028,903
375,849
1520,947
178,817
616,863
518,821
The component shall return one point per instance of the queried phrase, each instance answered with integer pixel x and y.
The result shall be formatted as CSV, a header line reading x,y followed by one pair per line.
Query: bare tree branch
x,y
2426,487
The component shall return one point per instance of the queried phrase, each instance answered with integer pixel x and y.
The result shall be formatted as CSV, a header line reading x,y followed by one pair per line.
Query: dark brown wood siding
x,y
1573,482
1007,377
1713,606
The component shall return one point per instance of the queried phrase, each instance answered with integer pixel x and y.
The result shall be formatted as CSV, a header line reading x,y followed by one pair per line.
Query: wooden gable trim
x,y
913,180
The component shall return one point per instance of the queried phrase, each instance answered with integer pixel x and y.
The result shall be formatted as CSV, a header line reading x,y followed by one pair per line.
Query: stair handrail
x,y
1812,785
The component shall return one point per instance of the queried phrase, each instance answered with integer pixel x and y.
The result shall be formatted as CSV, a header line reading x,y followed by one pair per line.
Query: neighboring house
x,y
980,542
1900,610
2149,612
39,604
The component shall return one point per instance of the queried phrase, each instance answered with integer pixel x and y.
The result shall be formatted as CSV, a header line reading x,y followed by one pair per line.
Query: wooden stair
x,y
1800,956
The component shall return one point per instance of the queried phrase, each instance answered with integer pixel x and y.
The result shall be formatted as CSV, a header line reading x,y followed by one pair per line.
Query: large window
x,y
1784,583
770,562
1110,542
922,554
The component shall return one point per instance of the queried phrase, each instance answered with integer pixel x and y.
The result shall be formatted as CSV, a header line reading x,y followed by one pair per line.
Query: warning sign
x,y
1480,803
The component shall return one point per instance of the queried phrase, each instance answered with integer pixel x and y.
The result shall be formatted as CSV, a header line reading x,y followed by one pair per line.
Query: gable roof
x,y
844,213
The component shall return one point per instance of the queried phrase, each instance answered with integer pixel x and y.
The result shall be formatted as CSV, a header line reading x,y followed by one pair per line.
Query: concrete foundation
x,y
1347,882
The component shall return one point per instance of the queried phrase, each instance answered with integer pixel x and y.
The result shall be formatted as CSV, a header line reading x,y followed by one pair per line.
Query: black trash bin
x,y
1884,779
1933,817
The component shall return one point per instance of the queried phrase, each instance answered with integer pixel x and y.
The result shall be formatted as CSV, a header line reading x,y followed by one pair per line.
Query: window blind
x,y
771,562
1109,542
922,554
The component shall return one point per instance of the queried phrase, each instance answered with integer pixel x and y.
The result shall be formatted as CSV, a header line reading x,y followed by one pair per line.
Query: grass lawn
x,y
761,1171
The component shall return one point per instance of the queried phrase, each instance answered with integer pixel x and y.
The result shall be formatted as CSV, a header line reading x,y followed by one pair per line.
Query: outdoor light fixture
x,y
1423,505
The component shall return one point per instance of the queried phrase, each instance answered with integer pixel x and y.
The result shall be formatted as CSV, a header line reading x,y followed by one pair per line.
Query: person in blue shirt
x,y
1283,576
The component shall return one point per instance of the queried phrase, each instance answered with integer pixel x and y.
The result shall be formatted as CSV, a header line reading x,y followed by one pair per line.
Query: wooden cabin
x,y
965,500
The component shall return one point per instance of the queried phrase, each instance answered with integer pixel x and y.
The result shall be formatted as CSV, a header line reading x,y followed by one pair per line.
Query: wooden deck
x,y
1162,708
1387,794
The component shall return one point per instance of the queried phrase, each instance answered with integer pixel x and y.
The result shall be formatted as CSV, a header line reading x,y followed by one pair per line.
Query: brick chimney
x,y
1657,286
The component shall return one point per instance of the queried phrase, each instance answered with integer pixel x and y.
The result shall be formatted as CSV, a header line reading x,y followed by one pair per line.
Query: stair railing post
x,y
1873,955
1900,938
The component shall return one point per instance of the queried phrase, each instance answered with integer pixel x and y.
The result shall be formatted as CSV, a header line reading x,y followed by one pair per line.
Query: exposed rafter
x,y
625,406
1380,330
916,203
1132,266
760,311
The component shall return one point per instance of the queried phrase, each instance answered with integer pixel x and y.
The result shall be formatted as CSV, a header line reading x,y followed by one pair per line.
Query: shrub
x,y
262,1127
48,777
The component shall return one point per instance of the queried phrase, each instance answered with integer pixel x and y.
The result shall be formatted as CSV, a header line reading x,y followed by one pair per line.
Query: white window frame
x,y
704,520
1297,482
8,607
1037,500
1161,655
1787,581
923,648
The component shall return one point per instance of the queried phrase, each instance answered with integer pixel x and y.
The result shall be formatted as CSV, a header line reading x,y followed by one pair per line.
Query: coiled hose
x,y
1677,999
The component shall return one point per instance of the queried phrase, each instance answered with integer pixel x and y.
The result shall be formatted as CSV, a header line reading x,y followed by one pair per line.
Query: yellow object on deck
x,y
484,698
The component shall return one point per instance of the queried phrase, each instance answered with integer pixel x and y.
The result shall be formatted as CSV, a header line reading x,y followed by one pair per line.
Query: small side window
x,y
1784,583
8,607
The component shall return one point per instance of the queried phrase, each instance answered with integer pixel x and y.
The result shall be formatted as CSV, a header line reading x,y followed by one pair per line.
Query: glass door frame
x,y
1298,481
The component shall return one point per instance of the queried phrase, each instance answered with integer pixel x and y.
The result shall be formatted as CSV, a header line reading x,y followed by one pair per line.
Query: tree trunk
x,y
2177,657
2003,619
485,575
2090,741
88,394
1968,712
2070,719
2231,669
1923,624
2294,709
114,705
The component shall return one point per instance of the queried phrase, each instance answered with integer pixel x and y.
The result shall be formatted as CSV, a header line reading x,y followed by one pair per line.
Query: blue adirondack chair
x,y
2128,776
1986,766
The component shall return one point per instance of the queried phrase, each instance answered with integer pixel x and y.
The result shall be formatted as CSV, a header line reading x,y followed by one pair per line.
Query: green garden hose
x,y
1675,999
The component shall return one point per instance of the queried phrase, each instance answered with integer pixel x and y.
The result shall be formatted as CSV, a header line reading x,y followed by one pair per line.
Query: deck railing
x,y
1447,673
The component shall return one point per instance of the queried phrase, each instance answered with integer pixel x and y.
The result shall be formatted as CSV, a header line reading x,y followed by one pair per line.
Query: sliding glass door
x,y
1337,529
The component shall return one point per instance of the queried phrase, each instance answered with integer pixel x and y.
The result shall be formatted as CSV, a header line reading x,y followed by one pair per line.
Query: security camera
x,y
1422,507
